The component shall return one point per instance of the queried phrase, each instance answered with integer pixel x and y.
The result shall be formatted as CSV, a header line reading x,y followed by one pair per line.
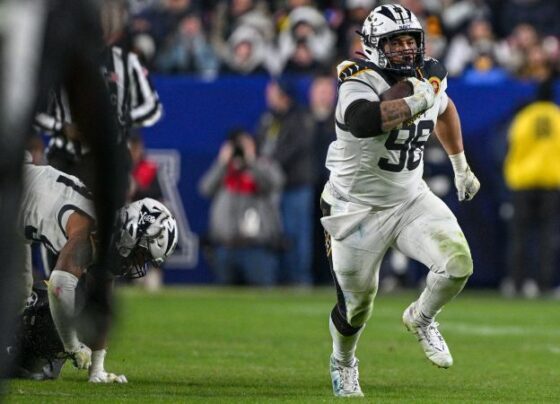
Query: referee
x,y
134,101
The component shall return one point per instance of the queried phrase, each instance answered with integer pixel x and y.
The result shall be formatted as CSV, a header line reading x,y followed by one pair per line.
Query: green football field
x,y
243,345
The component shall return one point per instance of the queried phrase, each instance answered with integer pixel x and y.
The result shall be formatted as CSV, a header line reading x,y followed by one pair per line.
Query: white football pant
x,y
423,229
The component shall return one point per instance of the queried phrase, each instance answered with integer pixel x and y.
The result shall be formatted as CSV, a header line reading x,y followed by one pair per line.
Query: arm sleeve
x,y
364,118
146,108
358,108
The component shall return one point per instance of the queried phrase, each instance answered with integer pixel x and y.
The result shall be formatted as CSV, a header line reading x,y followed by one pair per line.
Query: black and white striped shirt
x,y
134,99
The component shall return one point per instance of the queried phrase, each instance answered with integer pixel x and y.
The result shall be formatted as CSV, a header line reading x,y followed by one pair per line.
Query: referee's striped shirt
x,y
133,97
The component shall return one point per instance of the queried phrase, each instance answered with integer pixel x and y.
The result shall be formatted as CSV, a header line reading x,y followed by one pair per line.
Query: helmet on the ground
x,y
384,23
146,233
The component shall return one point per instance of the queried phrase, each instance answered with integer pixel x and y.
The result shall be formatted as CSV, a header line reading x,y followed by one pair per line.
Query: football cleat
x,y
429,337
345,379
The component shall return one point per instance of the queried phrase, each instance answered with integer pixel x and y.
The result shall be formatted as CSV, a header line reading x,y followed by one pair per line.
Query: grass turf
x,y
244,345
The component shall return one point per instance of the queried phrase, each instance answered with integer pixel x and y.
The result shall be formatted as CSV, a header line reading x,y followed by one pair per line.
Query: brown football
x,y
400,90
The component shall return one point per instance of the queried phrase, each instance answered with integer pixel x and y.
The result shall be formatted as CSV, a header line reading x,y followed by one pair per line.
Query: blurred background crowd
x,y
482,39
254,146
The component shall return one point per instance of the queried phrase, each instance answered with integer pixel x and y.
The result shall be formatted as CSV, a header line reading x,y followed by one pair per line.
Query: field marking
x,y
490,330
554,349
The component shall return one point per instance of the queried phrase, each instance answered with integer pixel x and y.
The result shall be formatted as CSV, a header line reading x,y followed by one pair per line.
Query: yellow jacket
x,y
533,158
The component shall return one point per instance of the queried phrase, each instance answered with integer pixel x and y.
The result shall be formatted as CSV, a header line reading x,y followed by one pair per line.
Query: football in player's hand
x,y
400,90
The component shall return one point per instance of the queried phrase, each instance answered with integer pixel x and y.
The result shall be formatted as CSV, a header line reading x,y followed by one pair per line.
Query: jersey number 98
x,y
410,149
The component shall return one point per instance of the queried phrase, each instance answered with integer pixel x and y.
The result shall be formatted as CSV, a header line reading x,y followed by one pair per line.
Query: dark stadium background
x,y
198,113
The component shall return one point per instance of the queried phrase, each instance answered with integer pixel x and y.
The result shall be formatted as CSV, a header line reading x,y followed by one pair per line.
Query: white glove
x,y
465,181
104,377
423,97
81,356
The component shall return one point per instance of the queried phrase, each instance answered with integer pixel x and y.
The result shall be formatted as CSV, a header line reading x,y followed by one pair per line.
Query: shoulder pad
x,y
355,67
433,68
350,68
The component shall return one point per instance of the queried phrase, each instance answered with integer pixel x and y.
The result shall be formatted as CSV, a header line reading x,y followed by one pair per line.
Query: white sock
x,y
62,299
439,291
97,361
344,347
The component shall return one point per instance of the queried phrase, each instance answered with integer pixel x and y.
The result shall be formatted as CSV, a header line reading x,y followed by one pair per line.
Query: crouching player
x,y
57,211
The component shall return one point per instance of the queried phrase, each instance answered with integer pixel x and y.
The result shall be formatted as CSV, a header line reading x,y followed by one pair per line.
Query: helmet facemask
x,y
412,59
135,265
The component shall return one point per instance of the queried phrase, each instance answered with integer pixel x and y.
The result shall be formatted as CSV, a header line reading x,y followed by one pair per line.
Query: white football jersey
x,y
384,170
49,198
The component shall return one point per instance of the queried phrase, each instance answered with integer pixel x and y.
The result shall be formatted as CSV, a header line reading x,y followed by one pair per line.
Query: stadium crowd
x,y
481,39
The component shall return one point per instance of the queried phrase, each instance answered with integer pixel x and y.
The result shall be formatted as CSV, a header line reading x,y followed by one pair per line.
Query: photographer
x,y
244,228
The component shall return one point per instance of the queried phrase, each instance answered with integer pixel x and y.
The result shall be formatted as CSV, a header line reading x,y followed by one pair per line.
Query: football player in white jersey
x,y
375,198
57,211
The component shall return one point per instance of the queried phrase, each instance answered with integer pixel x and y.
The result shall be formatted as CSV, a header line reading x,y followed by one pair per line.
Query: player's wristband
x,y
459,162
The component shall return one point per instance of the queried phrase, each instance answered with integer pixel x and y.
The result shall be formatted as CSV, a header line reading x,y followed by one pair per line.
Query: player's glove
x,y
105,377
81,356
423,97
465,181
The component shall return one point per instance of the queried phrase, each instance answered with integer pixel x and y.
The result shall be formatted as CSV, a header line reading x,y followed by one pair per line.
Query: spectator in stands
x,y
247,53
484,70
457,15
154,26
322,98
229,15
532,172
537,65
356,12
302,61
465,50
188,50
307,40
285,134
144,182
512,50
245,227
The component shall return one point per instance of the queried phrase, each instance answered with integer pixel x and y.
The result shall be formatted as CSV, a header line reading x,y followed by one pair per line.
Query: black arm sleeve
x,y
364,118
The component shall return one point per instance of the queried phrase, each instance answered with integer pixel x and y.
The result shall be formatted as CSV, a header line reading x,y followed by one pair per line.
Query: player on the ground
x,y
44,43
57,211
376,199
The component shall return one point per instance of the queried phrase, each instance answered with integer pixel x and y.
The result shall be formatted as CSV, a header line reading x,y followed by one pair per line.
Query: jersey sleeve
x,y
353,85
354,90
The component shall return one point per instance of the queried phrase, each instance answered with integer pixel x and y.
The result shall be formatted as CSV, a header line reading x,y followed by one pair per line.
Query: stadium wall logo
x,y
169,173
